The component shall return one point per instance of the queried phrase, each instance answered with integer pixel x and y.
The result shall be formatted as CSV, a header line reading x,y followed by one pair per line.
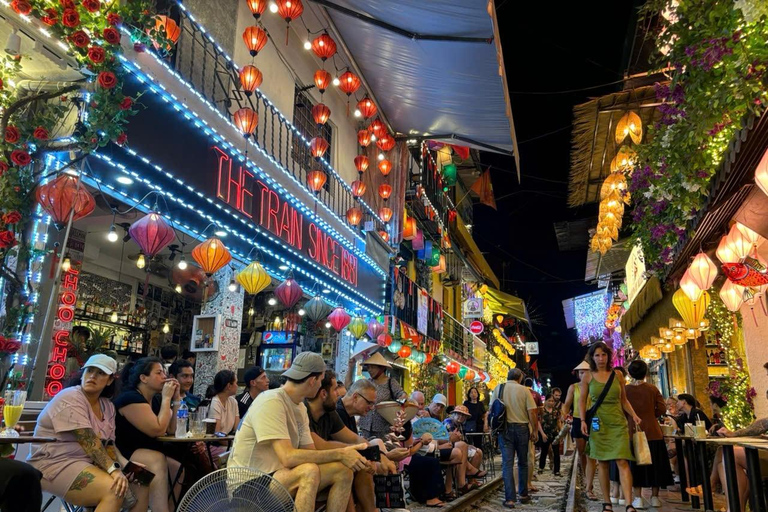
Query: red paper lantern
x,y
288,292
385,213
385,142
452,367
324,46
364,138
354,215
152,233
250,79
361,163
358,188
62,196
321,113
385,190
257,7
384,235
428,358
316,180
367,107
385,166
289,10
384,340
322,80
378,128
405,351
211,255
318,146
339,319
246,120
255,39
349,83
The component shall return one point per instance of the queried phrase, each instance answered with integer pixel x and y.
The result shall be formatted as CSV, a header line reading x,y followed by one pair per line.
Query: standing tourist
x,y
549,427
521,424
586,464
607,427
387,389
647,402
476,422
256,381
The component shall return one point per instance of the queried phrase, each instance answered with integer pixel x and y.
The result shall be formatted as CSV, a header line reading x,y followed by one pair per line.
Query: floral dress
x,y
549,422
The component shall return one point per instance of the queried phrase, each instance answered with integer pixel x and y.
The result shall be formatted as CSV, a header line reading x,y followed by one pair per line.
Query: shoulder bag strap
x,y
592,410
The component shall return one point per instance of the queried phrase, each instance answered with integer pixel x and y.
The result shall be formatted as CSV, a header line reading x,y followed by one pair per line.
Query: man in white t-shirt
x,y
274,437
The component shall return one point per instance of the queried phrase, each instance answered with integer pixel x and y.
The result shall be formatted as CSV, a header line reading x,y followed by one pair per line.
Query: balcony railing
x,y
457,338
204,64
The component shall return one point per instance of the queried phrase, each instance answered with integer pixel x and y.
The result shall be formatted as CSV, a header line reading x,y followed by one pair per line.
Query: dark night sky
x,y
566,46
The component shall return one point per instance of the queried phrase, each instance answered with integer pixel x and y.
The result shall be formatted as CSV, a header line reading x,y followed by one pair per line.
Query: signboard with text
x,y
473,308
532,348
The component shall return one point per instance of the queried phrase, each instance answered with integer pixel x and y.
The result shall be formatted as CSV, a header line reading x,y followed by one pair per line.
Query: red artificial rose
x,y
1,83
91,5
9,346
111,35
40,133
51,17
7,239
121,139
107,79
20,158
80,39
12,134
21,6
70,18
67,4
96,54
3,167
113,18
126,103
11,217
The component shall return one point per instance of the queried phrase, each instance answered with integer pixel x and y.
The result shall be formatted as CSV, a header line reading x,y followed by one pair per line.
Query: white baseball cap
x,y
440,399
103,362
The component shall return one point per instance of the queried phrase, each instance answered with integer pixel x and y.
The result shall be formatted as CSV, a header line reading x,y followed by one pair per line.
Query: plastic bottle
x,y
181,420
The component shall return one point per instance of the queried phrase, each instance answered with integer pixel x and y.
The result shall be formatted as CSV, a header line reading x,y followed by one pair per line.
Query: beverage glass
x,y
14,405
196,424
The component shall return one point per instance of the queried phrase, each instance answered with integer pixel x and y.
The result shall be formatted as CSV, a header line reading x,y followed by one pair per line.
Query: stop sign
x,y
476,327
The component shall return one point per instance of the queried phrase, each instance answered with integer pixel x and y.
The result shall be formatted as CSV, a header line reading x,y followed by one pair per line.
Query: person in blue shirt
x,y
455,423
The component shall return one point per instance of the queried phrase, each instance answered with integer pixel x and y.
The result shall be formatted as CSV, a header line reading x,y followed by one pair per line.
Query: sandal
x,y
591,496
608,507
448,497
439,504
509,504
469,487
478,474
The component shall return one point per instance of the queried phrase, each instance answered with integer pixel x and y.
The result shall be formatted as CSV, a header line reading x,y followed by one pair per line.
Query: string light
x,y
112,235
589,313
182,263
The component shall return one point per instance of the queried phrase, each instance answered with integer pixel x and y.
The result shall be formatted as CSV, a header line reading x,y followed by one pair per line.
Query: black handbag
x,y
389,490
593,410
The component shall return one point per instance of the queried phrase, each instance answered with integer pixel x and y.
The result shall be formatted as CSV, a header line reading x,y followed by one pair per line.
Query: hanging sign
x,y
423,311
473,308
532,348
476,327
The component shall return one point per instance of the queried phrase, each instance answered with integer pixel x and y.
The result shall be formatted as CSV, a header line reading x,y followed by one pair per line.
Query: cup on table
x,y
210,426
196,424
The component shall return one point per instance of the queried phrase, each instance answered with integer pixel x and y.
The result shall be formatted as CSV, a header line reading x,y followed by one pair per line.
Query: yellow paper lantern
x,y
253,278
630,125
691,311
667,348
357,327
702,271
689,287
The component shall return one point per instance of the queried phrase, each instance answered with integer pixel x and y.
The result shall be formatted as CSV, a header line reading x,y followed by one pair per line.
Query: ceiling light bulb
x,y
327,325
66,264
113,316
166,327
178,288
141,262
272,301
302,312
307,45
358,113
336,81
182,263
232,286
112,235
273,7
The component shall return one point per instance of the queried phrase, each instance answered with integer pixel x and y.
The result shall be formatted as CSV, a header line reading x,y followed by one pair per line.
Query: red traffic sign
x,y
476,327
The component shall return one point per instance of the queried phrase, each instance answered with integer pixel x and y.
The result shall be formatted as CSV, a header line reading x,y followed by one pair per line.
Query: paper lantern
x,y
428,358
702,271
385,166
250,79
433,259
384,235
246,120
255,39
364,138
321,113
318,146
253,278
257,7
751,236
316,308
354,215
691,311
409,228
630,125
385,190
288,292
739,244
470,375
62,197
358,188
441,265
367,107
385,142
211,255
316,180
324,46
152,233
689,287
167,26
725,251
732,295
417,243
668,347
361,163
357,327
761,174
624,160
375,328
444,155
384,340
385,213
289,10
418,357
395,346
322,80
404,351
452,367
463,372
377,127
349,83
450,173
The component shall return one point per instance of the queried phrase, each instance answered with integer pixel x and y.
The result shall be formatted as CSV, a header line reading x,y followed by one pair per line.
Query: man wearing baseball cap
x,y
274,437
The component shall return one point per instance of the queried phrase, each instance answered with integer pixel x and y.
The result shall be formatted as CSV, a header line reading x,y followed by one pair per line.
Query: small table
x,y
680,448
756,497
27,440
729,463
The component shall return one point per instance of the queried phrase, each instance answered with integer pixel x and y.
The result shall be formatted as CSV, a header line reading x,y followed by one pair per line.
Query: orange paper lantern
x,y
384,235
361,163
385,142
385,190
385,213
166,25
409,228
405,351
246,121
255,39
367,107
211,255
318,146
250,79
349,83
358,188
377,127
385,166
324,46
364,138
257,7
321,113
60,197
316,180
322,80
354,215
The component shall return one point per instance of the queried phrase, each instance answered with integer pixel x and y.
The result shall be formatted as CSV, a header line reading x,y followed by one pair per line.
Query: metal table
x,y
729,463
756,496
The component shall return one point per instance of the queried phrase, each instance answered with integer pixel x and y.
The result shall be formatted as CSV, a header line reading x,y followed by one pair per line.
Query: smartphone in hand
x,y
371,453
138,473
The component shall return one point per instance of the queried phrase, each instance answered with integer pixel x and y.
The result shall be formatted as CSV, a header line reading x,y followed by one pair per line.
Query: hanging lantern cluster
x,y
255,38
614,194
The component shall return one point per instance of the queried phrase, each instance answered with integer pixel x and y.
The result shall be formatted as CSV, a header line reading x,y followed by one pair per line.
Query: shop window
x,y
302,119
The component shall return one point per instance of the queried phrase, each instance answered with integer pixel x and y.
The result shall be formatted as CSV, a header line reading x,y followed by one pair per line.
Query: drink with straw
x,y
12,409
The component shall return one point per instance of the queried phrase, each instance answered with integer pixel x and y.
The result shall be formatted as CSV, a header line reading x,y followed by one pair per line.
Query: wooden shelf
x,y
95,320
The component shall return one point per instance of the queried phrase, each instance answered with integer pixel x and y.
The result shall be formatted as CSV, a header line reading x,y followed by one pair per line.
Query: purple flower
x,y
701,173
658,207
658,231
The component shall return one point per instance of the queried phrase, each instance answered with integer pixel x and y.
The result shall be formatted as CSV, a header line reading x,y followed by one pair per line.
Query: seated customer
x,y
83,466
417,397
184,372
139,424
455,423
274,437
223,404
256,381
689,413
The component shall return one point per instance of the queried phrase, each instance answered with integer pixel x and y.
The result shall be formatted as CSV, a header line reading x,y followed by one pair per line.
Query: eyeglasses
x,y
369,402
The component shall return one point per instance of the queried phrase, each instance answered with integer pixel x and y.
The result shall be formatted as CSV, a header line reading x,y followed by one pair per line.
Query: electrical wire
x,y
568,91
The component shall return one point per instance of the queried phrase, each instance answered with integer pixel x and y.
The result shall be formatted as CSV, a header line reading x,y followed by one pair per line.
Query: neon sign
x,y
241,190
62,327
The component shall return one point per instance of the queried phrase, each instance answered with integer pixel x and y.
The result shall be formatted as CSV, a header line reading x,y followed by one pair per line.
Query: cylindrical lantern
x,y
385,166
417,243
324,46
384,340
702,271
361,163
358,188
318,146
441,265
253,278
433,259
354,215
250,79
255,39
316,308
732,295
364,138
246,120
288,292
152,233
211,255
375,328
321,113
385,190
385,213
409,228
322,80
444,155
366,107
62,196
404,351
316,180
689,287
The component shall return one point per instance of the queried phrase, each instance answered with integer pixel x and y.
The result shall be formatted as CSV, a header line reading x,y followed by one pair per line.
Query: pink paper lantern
x,y
375,328
289,292
418,241
339,318
152,233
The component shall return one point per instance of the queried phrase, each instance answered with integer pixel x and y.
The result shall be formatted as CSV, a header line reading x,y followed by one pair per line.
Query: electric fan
x,y
237,490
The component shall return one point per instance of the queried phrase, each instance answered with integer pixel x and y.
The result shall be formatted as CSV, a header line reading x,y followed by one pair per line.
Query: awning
x,y
475,256
648,296
505,304
436,68
657,316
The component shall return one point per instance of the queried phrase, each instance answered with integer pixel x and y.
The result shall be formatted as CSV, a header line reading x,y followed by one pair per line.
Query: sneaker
x,y
655,502
622,502
639,503
614,501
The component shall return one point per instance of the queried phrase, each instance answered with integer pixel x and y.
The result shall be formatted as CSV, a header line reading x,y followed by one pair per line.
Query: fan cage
x,y
237,490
